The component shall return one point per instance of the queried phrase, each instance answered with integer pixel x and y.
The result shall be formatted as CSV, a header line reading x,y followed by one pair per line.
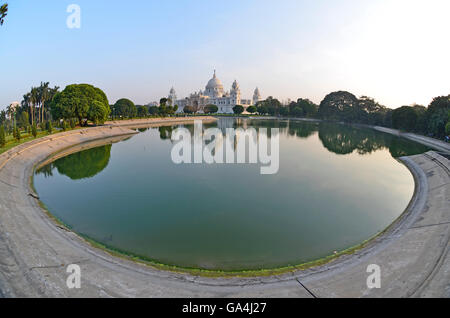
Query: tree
x,y
273,106
210,109
437,115
284,111
238,109
3,13
153,110
125,108
421,124
2,136
23,119
188,110
404,118
142,111
309,109
252,109
76,101
165,108
262,108
338,106
2,117
96,113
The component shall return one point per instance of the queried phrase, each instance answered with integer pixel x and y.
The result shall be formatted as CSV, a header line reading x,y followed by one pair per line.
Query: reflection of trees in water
x,y
81,165
337,138
165,132
46,170
342,139
400,147
302,129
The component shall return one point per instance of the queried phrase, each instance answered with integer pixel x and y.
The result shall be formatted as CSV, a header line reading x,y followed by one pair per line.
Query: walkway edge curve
x,y
34,252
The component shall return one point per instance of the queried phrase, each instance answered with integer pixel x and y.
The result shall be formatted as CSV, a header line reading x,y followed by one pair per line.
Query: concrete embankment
x,y
35,251
430,142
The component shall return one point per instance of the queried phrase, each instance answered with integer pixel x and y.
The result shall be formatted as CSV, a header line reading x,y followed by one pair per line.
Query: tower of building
x,y
235,93
256,96
172,96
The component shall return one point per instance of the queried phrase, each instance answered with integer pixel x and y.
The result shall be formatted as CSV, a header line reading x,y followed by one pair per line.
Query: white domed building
x,y
214,94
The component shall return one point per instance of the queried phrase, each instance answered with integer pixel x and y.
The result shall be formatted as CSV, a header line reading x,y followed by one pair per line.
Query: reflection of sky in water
x,y
230,216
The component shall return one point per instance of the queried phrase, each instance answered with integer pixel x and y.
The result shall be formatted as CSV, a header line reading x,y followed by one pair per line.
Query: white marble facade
x,y
214,94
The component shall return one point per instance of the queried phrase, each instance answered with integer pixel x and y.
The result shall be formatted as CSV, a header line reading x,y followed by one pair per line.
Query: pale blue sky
x,y
394,50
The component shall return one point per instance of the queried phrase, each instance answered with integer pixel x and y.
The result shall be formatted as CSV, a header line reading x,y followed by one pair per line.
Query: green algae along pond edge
x,y
244,273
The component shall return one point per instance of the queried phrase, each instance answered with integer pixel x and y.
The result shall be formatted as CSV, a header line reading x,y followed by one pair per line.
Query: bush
x,y
18,136
34,130
238,109
210,109
2,136
49,127
252,109
188,110
72,123
63,125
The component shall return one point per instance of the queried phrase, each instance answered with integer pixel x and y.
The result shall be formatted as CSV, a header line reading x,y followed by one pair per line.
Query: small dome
x,y
235,86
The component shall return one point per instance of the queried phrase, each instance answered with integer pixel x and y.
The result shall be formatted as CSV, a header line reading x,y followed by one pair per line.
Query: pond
x,y
336,187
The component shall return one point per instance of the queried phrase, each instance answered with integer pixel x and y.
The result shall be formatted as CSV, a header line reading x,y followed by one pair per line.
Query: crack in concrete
x,y
309,291
428,225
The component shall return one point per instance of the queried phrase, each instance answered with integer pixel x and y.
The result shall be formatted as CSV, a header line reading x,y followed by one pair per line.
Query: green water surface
x,y
336,187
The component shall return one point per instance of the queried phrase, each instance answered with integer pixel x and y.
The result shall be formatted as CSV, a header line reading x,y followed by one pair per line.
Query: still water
x,y
336,187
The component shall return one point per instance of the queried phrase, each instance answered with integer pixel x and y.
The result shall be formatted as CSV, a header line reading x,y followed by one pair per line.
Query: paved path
x,y
431,142
35,252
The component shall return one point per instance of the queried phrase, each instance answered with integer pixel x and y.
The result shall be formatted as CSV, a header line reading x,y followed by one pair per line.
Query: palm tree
x,y
45,95
26,103
34,99
3,12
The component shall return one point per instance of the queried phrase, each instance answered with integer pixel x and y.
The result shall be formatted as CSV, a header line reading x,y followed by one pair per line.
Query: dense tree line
x,y
432,121
343,106
273,107
80,103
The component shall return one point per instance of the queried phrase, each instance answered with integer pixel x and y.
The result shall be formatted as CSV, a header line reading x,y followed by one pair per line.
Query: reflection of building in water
x,y
214,94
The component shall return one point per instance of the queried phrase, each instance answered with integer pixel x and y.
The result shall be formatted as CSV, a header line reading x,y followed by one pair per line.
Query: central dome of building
x,y
214,83
214,88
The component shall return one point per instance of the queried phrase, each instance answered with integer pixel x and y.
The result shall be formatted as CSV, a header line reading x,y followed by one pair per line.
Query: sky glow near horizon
x,y
397,51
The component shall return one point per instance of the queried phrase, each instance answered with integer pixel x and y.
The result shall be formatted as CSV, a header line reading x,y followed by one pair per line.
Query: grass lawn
x,y
11,142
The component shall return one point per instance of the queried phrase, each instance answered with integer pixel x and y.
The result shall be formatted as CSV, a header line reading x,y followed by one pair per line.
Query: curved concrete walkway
x,y
35,252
